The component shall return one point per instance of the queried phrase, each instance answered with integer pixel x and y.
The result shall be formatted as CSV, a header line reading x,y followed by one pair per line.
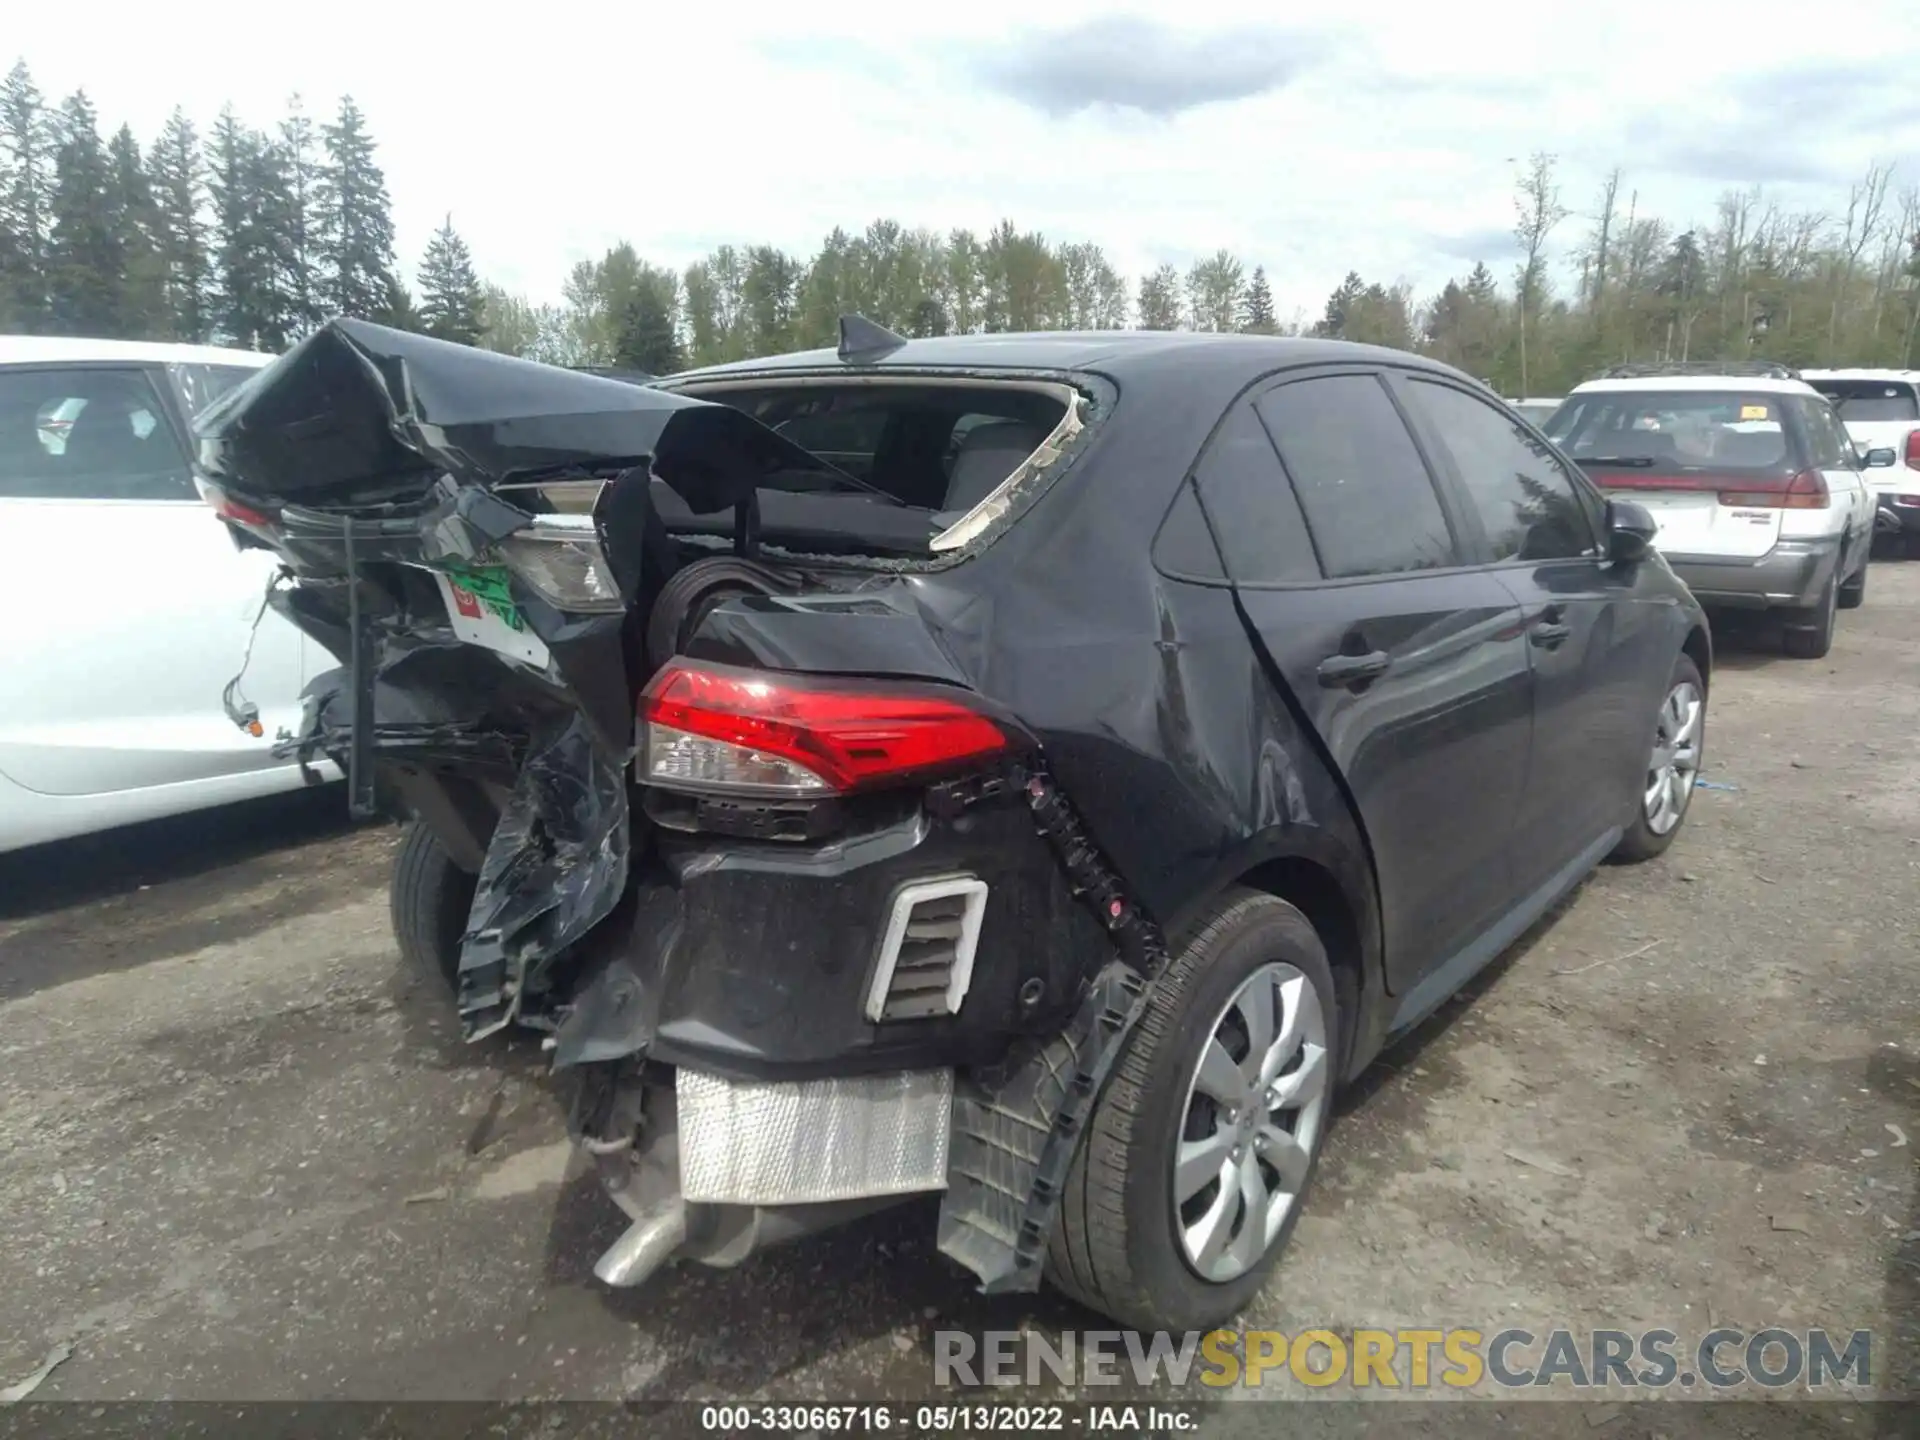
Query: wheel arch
x,y
1335,889
1698,647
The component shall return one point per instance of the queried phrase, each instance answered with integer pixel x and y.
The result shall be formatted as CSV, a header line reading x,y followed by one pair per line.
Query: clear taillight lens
x,y
561,560
682,760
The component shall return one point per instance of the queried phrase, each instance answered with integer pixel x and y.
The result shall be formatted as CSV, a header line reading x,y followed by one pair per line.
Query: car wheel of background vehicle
x,y
1853,594
430,898
1811,637
1200,1151
1679,743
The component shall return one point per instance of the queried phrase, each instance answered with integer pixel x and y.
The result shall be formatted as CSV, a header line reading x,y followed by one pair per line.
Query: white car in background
x,y
1535,409
1881,410
128,607
1759,495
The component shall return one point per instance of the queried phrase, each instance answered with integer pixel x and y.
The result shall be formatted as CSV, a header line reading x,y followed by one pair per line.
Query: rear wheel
x,y
1673,765
429,899
1810,635
1200,1151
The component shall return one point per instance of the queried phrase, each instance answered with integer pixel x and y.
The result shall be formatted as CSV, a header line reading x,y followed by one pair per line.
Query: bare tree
x,y
1539,211
1598,255
1866,203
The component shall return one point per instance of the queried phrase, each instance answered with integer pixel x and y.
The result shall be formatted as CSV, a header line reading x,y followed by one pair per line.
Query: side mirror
x,y
1630,531
1880,458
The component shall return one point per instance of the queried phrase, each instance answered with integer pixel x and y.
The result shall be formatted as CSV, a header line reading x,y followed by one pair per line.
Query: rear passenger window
x,y
87,434
1253,509
1369,502
1528,505
1831,449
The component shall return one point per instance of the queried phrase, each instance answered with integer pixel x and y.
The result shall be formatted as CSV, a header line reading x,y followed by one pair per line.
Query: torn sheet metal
x,y
555,868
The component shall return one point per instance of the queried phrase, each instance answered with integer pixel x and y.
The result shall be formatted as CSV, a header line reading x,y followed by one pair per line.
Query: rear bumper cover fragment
x,y
1015,1132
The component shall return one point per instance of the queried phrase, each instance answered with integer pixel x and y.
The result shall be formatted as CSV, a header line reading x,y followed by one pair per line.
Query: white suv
x,y
1758,492
1881,410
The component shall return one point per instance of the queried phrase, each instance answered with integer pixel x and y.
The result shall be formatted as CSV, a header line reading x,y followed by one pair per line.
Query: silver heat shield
x,y
801,1141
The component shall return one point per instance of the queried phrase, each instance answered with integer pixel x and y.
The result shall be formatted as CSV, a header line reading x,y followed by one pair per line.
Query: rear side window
x,y
1528,505
1262,535
87,434
1369,502
1675,429
1825,437
1865,401
201,385
1184,547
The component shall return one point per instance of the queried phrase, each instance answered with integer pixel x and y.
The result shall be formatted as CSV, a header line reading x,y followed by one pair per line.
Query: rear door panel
x,y
1434,751
1433,744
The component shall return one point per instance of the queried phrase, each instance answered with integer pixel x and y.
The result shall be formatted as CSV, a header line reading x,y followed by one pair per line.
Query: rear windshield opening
x,y
1701,430
1866,401
932,451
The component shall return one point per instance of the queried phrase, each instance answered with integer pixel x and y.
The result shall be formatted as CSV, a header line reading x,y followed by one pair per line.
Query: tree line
x,y
250,236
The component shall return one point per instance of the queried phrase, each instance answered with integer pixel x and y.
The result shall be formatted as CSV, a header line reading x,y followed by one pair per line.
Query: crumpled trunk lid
x,y
359,415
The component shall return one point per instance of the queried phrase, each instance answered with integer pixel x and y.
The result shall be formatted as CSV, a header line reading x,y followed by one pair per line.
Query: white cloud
x,y
1386,142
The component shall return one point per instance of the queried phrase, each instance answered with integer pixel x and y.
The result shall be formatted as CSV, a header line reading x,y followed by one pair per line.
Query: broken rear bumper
x,y
765,960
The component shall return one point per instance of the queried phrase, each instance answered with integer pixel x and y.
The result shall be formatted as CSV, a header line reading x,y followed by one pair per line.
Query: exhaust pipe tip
x,y
649,1243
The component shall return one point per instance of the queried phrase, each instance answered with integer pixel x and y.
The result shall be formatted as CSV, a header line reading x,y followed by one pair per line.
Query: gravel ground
x,y
242,1155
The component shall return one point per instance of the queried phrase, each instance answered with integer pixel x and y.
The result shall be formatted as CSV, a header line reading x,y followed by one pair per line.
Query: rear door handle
x,y
1547,636
1337,671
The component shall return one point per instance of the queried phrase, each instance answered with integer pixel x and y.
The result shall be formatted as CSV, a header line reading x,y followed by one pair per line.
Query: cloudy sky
x,y
1381,138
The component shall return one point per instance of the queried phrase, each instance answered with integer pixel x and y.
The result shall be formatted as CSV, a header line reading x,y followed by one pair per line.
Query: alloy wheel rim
x,y
1675,762
1255,1103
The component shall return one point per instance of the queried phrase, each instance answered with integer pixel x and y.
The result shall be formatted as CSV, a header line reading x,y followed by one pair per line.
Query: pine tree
x,y
179,189
295,224
1340,306
27,142
277,223
396,308
243,290
84,259
450,299
1256,315
355,219
134,221
647,338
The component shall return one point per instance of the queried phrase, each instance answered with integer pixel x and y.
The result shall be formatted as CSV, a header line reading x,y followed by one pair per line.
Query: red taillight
x,y
715,727
1913,449
228,508
1806,491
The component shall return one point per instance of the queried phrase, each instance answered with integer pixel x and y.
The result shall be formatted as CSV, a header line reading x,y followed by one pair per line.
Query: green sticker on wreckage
x,y
475,589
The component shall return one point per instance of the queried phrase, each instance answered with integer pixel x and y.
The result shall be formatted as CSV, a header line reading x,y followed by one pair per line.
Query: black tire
x,y
429,899
1641,841
1853,594
1809,634
1115,1249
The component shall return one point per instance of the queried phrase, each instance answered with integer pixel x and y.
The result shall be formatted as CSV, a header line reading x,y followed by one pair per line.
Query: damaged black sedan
x,y
1033,770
